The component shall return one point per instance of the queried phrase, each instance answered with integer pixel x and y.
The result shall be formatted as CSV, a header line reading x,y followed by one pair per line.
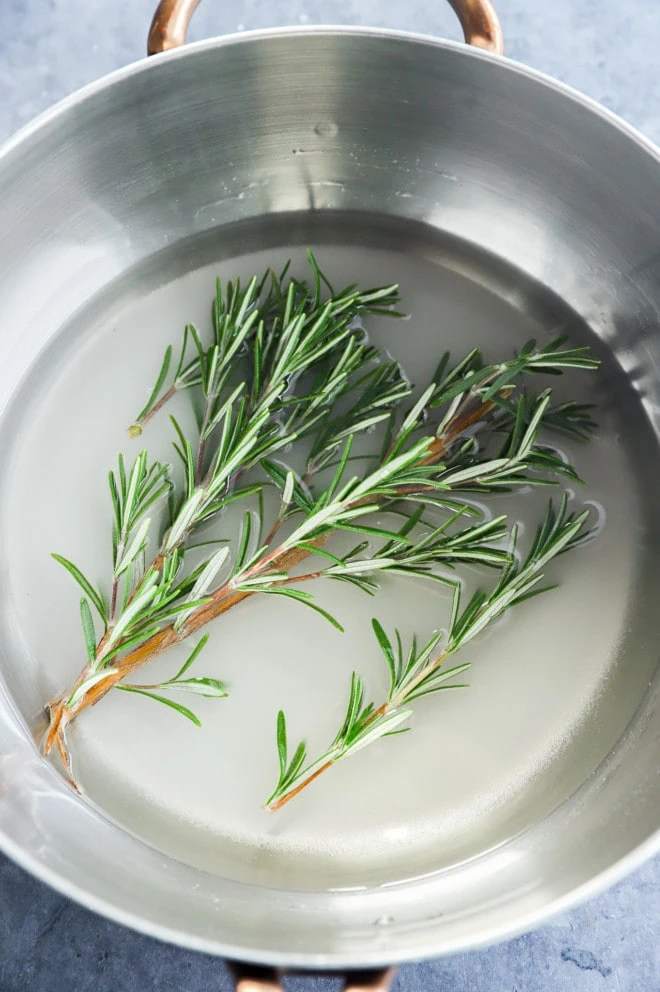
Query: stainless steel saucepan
x,y
437,137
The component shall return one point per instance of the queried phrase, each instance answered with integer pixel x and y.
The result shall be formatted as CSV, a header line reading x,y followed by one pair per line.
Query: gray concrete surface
x,y
606,48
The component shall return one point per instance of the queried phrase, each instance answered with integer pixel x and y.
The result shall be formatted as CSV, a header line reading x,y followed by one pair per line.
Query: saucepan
x,y
437,139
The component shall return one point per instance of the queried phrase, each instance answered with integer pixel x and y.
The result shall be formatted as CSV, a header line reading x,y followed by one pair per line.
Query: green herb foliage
x,y
288,363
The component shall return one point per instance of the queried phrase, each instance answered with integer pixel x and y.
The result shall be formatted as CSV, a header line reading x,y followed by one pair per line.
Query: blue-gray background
x,y
606,48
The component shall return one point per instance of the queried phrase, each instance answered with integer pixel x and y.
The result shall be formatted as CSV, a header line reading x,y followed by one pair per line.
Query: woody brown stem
x,y
222,600
442,444
386,707
165,398
299,788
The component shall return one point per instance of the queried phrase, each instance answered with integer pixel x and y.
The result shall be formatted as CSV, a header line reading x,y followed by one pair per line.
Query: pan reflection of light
x,y
478,213
32,794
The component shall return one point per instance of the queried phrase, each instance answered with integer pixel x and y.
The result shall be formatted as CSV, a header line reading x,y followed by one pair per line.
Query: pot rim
x,y
365,958
90,90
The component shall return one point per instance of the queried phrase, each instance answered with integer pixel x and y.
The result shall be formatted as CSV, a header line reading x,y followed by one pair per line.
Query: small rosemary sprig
x,y
287,363
421,671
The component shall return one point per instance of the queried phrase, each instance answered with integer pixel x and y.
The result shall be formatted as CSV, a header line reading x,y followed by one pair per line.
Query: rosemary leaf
x,y
183,710
84,583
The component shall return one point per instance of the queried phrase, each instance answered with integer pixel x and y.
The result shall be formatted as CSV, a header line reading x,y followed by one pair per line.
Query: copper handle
x,y
267,980
480,23
170,25
478,20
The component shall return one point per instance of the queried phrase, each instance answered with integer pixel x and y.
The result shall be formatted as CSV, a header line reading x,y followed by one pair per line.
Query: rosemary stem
x,y
274,530
165,398
113,599
199,468
409,688
457,426
288,796
224,599
389,706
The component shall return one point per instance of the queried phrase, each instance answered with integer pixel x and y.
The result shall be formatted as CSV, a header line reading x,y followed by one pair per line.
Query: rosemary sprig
x,y
284,366
421,671
291,334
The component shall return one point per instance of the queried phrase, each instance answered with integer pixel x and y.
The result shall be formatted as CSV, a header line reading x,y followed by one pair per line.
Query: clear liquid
x,y
551,688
